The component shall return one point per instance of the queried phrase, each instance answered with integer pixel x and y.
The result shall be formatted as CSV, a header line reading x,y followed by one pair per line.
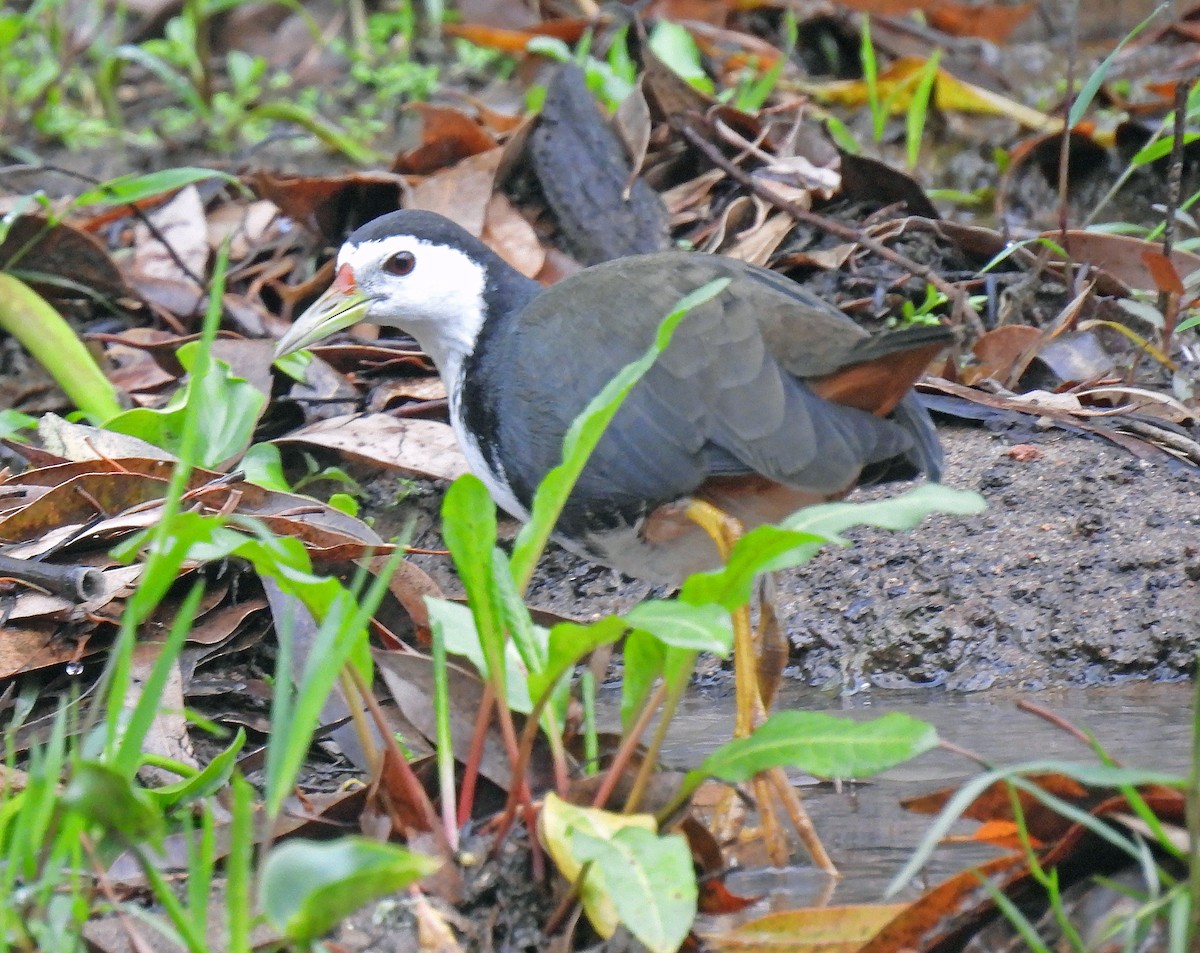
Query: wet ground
x,y
870,837
1085,569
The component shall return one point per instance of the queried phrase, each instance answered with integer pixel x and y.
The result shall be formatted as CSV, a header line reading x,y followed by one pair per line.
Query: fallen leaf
x,y
422,448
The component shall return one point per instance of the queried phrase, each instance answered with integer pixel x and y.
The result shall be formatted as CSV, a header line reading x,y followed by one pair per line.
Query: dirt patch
x,y
1084,569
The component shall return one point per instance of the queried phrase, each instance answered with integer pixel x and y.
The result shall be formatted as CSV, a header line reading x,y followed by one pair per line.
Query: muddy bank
x,y
1085,569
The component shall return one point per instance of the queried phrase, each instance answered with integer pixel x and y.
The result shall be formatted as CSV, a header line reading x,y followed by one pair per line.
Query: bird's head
x,y
411,270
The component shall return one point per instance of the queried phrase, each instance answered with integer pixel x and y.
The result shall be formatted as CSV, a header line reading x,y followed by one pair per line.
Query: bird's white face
x,y
432,291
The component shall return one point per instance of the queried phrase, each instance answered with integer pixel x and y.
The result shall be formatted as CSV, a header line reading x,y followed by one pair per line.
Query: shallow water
x,y
869,836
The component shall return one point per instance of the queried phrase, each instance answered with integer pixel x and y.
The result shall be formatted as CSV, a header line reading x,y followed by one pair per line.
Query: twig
x,y
1064,147
134,209
1168,300
1058,721
962,307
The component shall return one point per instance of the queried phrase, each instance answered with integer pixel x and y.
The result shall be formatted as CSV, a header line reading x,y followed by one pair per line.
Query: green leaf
x,y
674,45
1160,148
47,336
230,408
644,659
12,422
262,465
104,796
208,781
757,551
134,188
469,529
799,537
701,628
1092,85
344,503
558,822
823,745
568,643
457,626
898,512
308,887
918,108
649,879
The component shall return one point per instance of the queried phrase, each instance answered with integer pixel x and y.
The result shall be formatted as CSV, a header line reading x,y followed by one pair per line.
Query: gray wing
x,y
726,397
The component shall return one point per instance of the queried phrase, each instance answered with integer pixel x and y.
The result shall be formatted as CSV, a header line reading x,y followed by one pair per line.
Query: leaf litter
x,y
1044,312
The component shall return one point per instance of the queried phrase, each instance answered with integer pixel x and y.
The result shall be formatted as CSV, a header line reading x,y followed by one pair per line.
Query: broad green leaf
x,y
585,432
308,887
230,408
557,824
821,744
104,796
649,880
898,512
799,537
570,642
262,465
46,335
700,628
757,551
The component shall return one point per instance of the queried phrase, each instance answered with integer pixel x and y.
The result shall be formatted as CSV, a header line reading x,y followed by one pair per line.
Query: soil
x,y
1084,569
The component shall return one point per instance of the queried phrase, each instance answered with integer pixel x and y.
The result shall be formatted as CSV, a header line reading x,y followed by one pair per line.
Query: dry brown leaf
x,y
168,258
422,448
1123,256
32,246
506,232
462,192
447,137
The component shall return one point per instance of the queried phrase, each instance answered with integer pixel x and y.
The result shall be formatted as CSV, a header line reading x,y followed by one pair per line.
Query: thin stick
x,y
962,306
801,821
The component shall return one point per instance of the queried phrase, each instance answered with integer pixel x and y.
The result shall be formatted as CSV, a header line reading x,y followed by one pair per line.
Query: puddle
x,y
869,836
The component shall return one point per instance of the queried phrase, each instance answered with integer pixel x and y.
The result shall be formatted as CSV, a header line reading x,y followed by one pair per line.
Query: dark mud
x,y
1085,569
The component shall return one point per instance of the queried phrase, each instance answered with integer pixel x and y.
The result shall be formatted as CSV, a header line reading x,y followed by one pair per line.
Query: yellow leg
x,y
771,787
724,531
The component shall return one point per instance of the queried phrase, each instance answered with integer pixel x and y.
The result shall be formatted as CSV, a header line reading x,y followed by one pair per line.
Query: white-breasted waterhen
x,y
766,400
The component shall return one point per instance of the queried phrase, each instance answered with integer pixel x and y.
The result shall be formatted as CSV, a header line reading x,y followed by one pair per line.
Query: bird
x,y
766,400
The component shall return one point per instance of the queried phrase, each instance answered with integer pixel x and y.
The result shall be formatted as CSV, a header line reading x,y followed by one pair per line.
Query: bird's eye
x,y
400,264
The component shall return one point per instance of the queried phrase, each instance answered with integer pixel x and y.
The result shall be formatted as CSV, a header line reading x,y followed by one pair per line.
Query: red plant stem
x,y
629,745
466,795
